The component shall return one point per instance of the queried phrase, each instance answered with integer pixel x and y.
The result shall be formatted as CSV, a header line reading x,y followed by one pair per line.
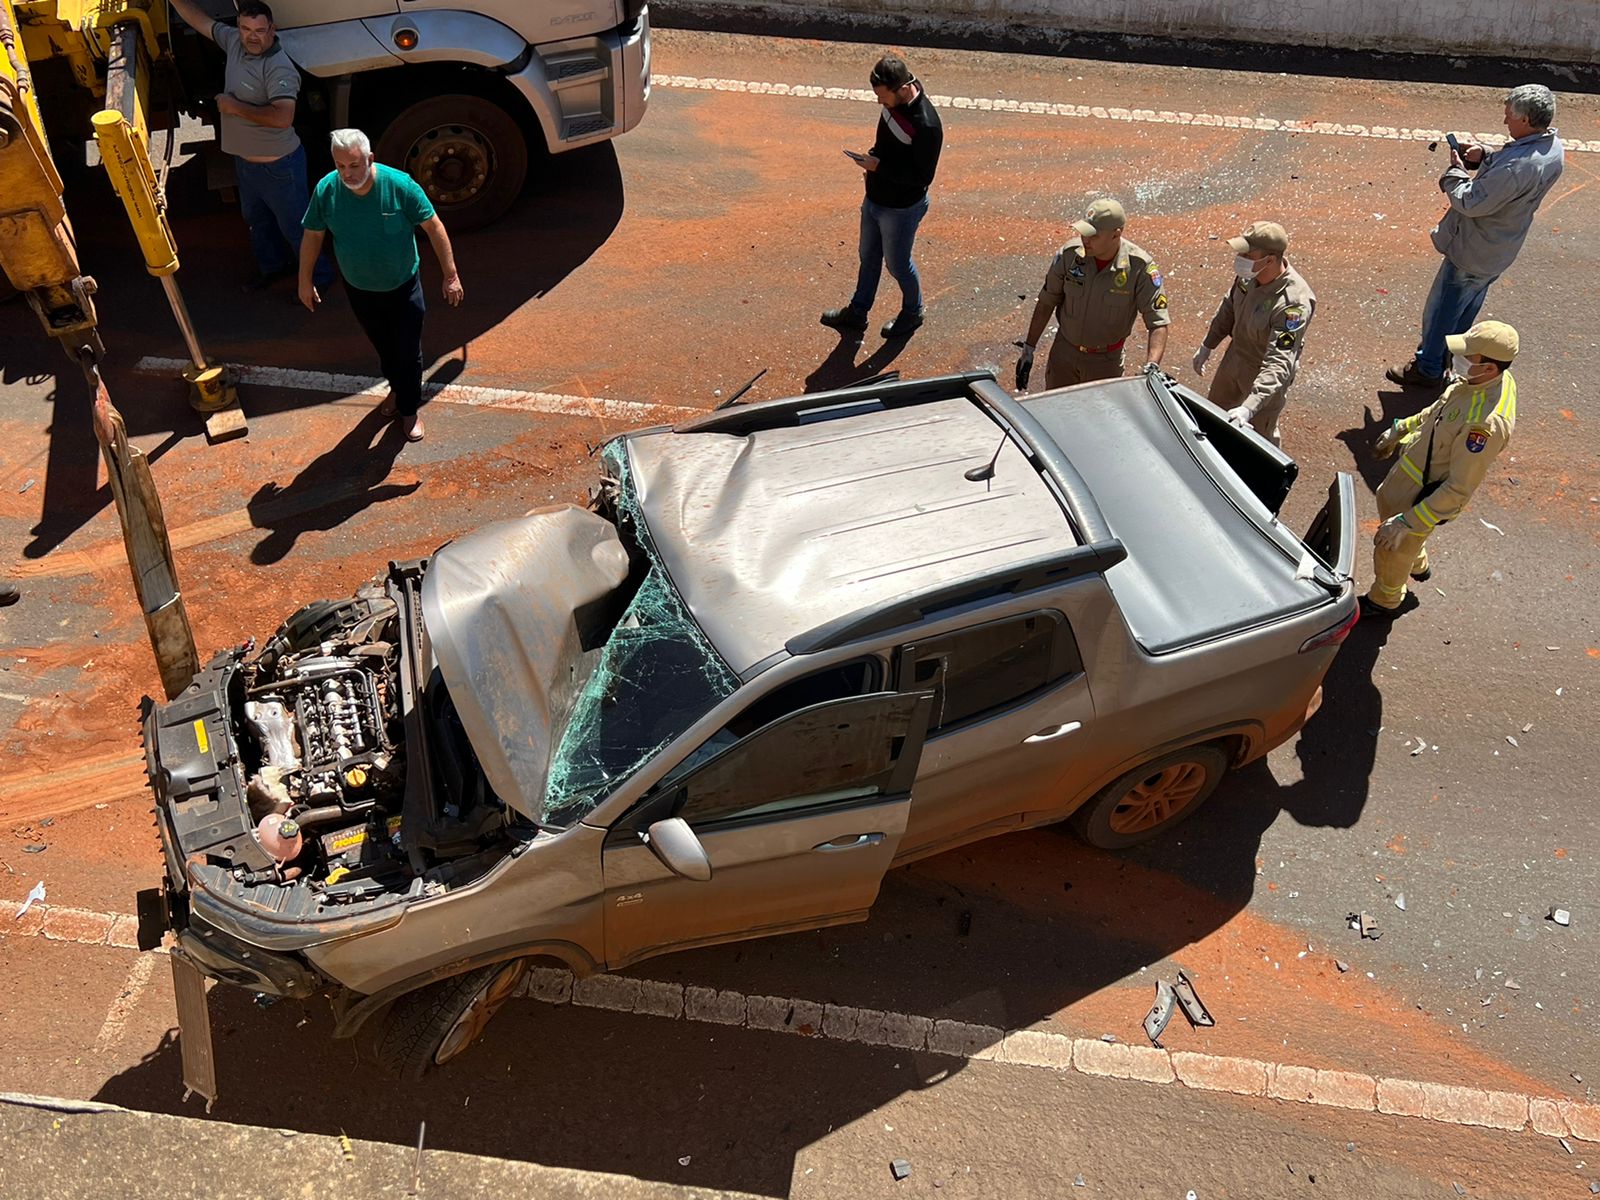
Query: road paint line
x,y
122,1006
1439,1103
1137,116
470,395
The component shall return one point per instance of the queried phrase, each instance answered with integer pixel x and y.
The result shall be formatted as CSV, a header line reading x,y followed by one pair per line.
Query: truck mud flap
x,y
194,1030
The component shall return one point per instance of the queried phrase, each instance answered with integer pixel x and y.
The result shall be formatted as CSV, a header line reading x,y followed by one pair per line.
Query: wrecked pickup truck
x,y
790,646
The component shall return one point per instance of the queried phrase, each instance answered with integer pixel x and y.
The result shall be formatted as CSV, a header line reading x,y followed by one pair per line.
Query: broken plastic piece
x,y
900,1168
1560,916
1400,902
1079,1181
1155,1021
1366,926
36,896
1343,966
1191,1004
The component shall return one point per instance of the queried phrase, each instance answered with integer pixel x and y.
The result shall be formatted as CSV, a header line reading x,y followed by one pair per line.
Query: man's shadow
x,y
1392,406
328,492
840,368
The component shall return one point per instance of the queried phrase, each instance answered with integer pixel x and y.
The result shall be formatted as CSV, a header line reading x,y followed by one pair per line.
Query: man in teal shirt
x,y
373,212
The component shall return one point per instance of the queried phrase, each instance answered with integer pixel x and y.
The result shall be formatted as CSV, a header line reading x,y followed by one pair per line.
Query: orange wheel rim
x,y
1158,798
475,1019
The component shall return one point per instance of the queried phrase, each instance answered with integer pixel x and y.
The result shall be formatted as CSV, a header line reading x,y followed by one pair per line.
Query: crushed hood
x,y
506,608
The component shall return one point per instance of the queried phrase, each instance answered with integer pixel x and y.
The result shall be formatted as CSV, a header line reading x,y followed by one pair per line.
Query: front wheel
x,y
1151,799
467,152
432,1025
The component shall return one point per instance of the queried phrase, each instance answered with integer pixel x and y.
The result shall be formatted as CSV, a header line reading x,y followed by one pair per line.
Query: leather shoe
x,y
903,325
1409,376
845,318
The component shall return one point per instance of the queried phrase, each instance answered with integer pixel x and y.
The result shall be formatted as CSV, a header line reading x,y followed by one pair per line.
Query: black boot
x,y
903,325
846,318
9,594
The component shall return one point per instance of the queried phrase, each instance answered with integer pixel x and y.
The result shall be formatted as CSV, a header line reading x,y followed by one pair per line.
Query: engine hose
x,y
326,815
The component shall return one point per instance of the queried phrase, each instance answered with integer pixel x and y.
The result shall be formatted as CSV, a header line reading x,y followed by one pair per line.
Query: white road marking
x,y
126,1001
1138,116
1551,1116
449,393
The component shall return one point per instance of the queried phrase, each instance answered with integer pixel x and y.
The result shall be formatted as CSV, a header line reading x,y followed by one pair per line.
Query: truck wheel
x,y
1151,799
430,1026
467,152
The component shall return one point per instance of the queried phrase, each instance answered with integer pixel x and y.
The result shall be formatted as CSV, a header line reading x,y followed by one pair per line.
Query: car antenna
x,y
979,474
734,399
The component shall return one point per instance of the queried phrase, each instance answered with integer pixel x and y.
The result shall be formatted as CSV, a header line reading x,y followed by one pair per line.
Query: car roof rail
x,y
1015,579
781,414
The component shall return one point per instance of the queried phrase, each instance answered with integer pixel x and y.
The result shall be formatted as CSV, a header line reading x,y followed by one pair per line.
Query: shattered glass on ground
x,y
657,674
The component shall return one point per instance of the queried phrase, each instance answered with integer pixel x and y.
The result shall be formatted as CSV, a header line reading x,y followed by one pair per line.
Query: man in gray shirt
x,y
257,112
1483,229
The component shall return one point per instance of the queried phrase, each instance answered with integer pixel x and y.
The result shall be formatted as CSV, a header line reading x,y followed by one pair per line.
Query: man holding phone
x,y
898,172
1482,231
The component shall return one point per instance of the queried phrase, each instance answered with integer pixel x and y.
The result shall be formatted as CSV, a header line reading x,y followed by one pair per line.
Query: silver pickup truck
x,y
789,646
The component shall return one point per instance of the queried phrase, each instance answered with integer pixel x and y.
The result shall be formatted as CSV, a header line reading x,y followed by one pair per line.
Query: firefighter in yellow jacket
x,y
1445,451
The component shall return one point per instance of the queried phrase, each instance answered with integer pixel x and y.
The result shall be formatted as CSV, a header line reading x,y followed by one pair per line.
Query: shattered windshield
x,y
656,675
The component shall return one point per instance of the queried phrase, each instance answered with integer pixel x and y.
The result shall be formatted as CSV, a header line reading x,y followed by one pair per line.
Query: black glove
x,y
1024,365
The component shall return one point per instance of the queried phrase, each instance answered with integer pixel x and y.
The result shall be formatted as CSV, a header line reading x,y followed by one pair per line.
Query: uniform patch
x,y
1286,341
1242,285
1155,275
1294,318
1075,271
1160,301
1122,279
1477,439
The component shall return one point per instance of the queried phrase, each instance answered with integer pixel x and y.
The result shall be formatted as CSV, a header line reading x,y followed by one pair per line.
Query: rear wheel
x,y
434,1024
467,152
1151,799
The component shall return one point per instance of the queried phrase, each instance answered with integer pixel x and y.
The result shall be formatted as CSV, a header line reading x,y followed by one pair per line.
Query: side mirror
x,y
674,843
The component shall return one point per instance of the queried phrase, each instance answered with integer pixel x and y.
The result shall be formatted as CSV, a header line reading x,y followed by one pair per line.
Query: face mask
x,y
1464,367
1245,268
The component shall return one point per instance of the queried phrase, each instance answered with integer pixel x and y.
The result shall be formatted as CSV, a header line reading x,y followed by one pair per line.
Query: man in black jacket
x,y
898,173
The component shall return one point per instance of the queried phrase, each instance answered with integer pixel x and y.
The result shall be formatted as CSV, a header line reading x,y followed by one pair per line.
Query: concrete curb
x,y
1550,1116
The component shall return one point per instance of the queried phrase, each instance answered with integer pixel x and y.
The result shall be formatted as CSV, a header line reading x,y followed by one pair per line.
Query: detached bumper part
x,y
194,1030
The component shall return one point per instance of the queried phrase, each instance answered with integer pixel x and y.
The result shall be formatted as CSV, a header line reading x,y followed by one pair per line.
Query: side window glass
x,y
836,753
980,670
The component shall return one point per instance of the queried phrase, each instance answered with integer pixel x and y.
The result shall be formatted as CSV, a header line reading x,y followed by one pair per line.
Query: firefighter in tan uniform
x,y
1445,451
1265,313
1097,284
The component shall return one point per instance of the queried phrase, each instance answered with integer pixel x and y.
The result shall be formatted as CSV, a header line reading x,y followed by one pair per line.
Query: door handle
x,y
850,843
1055,731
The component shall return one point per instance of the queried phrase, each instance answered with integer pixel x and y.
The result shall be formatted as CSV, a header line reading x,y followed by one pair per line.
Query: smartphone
x,y
854,156
1450,140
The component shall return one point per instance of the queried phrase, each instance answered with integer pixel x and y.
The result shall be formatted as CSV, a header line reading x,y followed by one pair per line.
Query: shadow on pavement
x,y
840,368
560,222
341,482
1005,932
1392,406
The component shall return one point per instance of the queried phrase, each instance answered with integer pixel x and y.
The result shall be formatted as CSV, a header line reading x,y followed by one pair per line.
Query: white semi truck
x,y
465,94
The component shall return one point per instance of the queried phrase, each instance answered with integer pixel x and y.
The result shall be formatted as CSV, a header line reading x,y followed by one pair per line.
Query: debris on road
x,y
36,896
1155,1021
1502,533
1193,1007
1400,902
35,848
900,1168
1079,1181
1560,916
1422,744
1512,740
1565,1145
345,1147
1365,926
1460,1191
1512,985
1342,965
685,1160
24,487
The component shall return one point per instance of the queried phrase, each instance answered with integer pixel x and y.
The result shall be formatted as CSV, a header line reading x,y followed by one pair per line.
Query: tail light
x,y
1333,634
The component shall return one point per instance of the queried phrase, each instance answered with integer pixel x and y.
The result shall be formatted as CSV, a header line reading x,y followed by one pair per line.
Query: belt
x,y
1111,349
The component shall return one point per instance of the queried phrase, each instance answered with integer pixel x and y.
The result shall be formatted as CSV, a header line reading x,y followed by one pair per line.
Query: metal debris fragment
x,y
1155,1021
900,1168
1193,1007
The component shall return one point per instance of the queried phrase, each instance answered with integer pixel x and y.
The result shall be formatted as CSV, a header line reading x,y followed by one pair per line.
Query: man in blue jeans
x,y
256,107
899,171
1482,231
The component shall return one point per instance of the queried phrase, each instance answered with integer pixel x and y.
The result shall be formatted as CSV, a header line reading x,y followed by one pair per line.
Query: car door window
x,y
836,753
981,670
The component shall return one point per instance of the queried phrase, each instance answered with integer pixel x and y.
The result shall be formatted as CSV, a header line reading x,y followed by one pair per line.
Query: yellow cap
x,y
1104,216
1492,339
1261,235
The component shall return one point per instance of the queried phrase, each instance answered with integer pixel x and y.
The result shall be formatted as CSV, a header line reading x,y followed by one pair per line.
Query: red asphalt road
x,y
695,253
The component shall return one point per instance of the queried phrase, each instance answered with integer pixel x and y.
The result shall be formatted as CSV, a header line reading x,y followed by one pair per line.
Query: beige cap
x,y
1104,216
1492,339
1261,235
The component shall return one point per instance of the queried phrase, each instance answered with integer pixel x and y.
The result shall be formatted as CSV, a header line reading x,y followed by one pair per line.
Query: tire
x,y
467,152
434,1024
1152,798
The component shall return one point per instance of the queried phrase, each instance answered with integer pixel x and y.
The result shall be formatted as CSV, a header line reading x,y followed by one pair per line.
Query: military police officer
x,y
1265,313
1097,284
1445,451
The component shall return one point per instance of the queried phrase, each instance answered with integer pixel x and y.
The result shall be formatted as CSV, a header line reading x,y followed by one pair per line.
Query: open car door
x,y
789,828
